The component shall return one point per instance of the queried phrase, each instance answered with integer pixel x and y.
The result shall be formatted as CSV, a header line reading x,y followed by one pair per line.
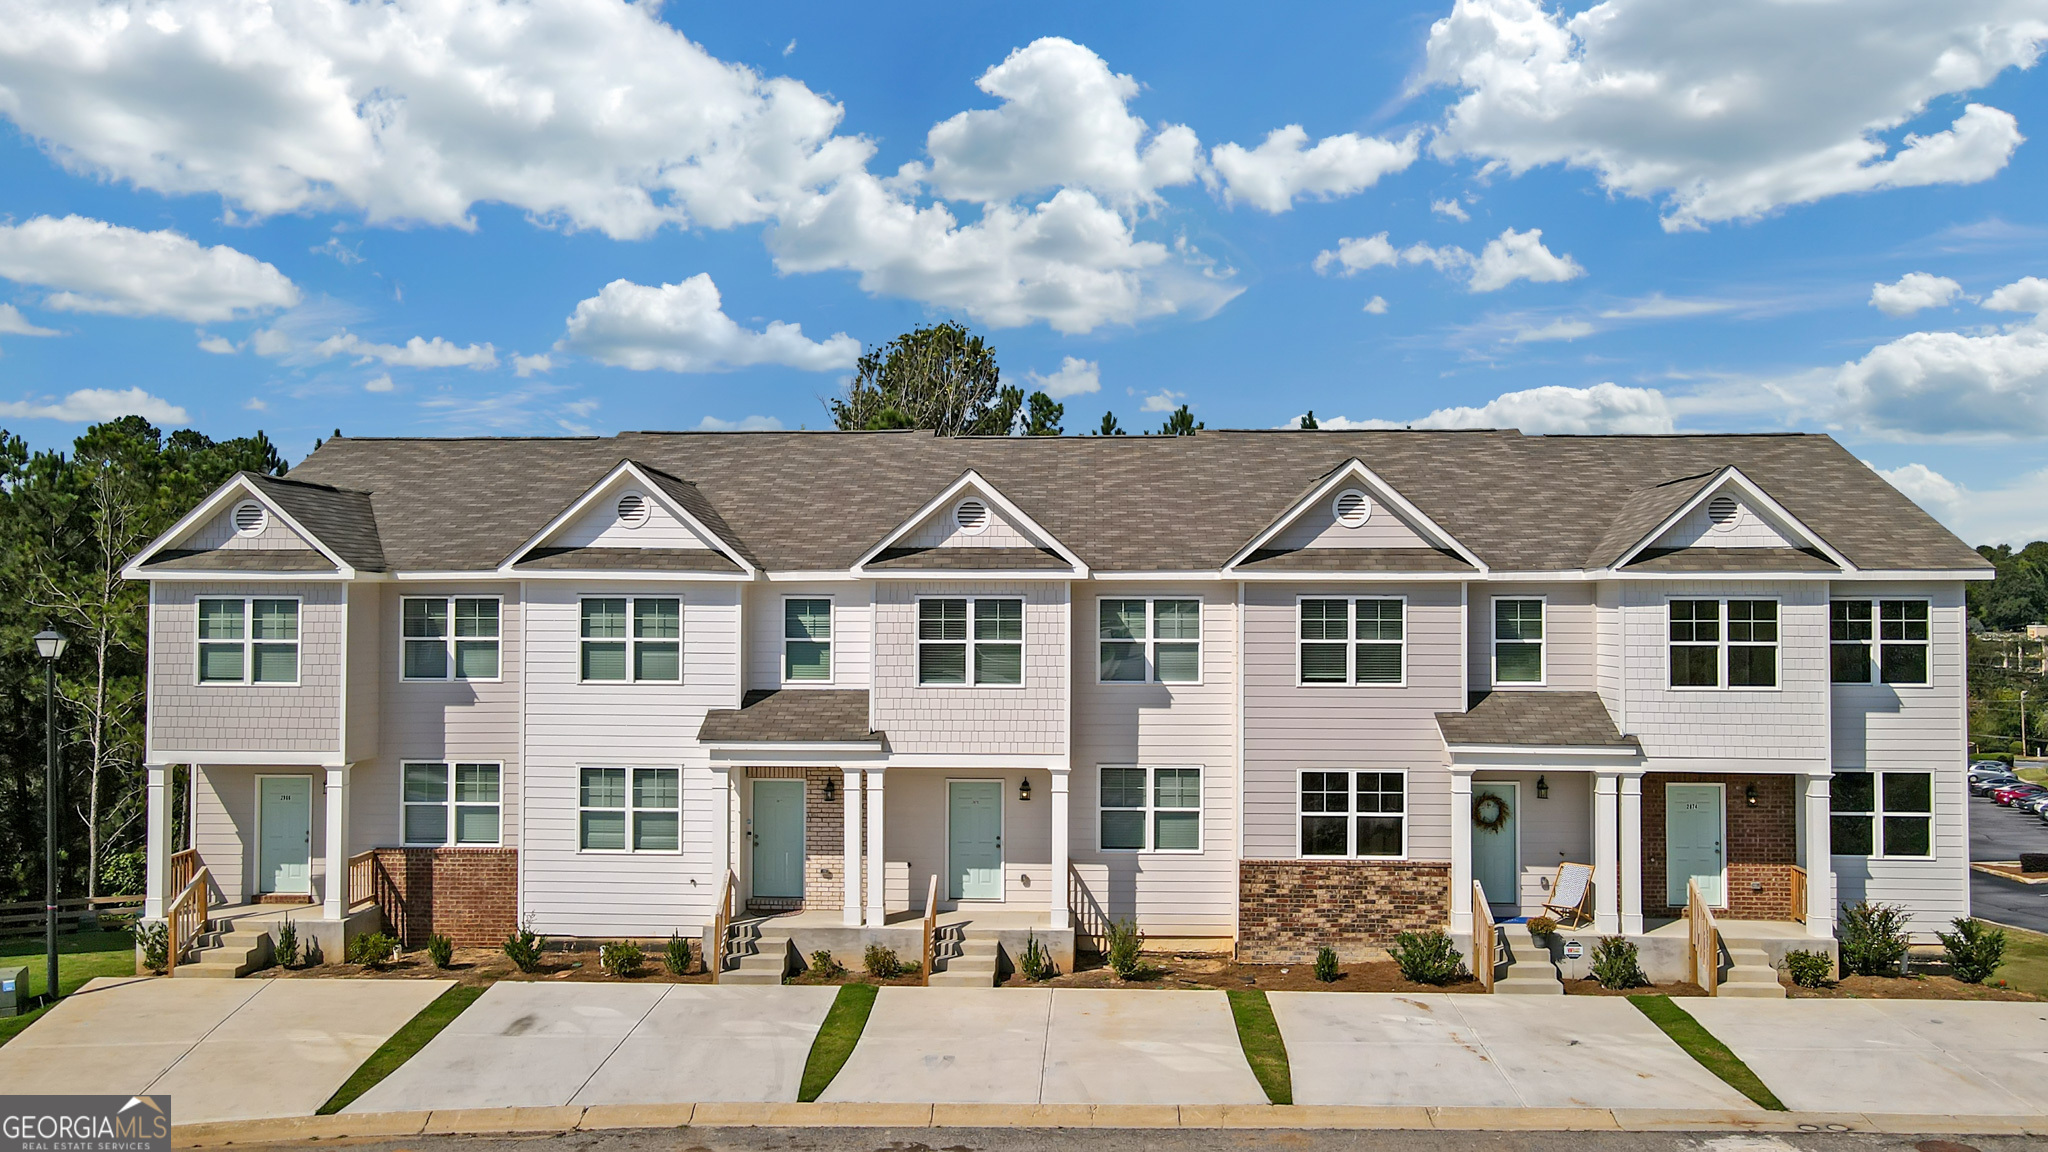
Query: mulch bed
x,y
1206,970
1593,988
482,966
1917,987
2012,870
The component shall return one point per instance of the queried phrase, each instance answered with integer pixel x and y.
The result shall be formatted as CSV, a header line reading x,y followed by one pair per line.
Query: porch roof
x,y
1534,718
793,716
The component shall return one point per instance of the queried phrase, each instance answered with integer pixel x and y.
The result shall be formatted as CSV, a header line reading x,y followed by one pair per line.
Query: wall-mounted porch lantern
x,y
1024,790
831,789
1749,795
1542,787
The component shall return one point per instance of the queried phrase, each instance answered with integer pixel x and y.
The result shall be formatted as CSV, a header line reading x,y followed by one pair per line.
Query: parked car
x,y
1977,766
2011,793
2037,804
1986,785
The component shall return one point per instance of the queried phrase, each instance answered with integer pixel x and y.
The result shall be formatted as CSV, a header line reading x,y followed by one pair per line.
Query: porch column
x,y
1058,897
1632,854
1461,848
877,869
1820,865
849,791
157,849
1606,853
337,844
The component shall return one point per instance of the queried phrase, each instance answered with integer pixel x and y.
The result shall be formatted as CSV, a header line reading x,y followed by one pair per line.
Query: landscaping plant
x,y
441,950
1125,947
375,950
523,948
1326,964
287,947
1035,963
675,955
154,938
621,959
1427,957
882,963
1973,950
1810,969
826,966
1615,964
1542,926
1873,939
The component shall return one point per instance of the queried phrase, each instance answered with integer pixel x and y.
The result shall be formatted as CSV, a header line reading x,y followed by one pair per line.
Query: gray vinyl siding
x,y
190,717
1570,634
851,613
219,533
1288,727
1026,720
1167,725
365,671
915,836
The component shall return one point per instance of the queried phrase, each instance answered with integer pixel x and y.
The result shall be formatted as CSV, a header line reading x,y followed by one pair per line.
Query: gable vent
x,y
1724,512
632,509
1352,508
971,516
250,518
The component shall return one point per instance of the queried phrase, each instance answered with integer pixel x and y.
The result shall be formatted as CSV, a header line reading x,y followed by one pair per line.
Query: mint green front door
x,y
1496,853
779,839
1692,843
974,839
284,848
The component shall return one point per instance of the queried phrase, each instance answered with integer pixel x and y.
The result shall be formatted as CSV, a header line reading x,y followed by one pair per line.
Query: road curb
x,y
602,1117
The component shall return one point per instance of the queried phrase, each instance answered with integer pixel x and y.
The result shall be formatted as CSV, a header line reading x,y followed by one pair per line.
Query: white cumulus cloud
x,y
1377,306
95,406
1450,209
218,345
379,383
2013,513
418,352
743,424
531,365
1912,292
2027,294
1354,254
1165,400
1555,330
1076,377
1513,256
1551,410
1949,385
13,323
93,266
1285,167
683,328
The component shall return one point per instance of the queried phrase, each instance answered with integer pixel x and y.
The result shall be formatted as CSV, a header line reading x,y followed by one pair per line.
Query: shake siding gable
x,y
1752,529
219,532
598,526
1028,720
939,530
190,717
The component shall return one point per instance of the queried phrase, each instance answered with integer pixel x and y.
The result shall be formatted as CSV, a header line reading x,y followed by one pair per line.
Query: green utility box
x,y
13,990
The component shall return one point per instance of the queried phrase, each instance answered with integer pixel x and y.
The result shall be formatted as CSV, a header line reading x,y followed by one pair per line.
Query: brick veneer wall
x,y
1762,845
1289,908
470,895
824,840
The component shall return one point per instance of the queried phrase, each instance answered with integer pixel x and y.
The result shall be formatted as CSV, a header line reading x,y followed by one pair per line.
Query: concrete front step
x,y
1750,973
767,963
227,954
973,966
1529,972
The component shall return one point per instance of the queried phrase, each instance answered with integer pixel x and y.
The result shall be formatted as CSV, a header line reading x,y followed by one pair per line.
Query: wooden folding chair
x,y
1571,895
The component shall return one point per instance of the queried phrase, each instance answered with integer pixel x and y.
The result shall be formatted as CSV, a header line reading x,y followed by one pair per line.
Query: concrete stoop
x,y
1530,971
966,960
1749,972
225,952
763,957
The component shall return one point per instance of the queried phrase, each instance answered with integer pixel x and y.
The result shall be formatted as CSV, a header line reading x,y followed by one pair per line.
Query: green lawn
x,y
403,1045
2032,775
2026,961
1706,1048
844,1023
80,957
1259,1034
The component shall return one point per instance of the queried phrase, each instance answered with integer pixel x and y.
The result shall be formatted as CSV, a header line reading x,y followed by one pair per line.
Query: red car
x,y
2011,792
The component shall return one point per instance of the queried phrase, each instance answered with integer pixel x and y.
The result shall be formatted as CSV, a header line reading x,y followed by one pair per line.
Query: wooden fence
x,y
27,918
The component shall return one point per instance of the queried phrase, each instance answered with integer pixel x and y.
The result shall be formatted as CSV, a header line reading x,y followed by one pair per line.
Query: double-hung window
x,y
1151,641
629,810
450,637
1151,809
1518,641
1362,815
451,804
251,640
632,638
970,640
807,640
1360,641
1717,642
1882,641
1885,813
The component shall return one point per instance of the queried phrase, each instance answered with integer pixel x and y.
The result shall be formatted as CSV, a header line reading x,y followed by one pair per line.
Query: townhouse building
x,y
1256,691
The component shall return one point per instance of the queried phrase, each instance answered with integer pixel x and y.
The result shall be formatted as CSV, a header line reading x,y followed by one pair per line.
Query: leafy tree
x,y
1308,422
1042,416
1180,422
2019,595
1109,426
940,377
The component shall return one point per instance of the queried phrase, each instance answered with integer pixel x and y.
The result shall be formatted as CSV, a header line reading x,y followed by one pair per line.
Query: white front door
x,y
1496,858
1692,843
284,823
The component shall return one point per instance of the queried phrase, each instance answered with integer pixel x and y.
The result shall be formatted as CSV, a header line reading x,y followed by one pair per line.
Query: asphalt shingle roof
x,y
344,519
966,559
793,716
241,560
1527,718
627,559
1733,560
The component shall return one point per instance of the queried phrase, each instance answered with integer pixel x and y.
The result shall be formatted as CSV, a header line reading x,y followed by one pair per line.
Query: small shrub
x,y
882,963
154,938
124,874
523,948
675,955
1326,964
1973,950
1873,939
1810,969
441,950
1542,926
826,966
1427,957
375,950
286,949
912,968
1615,964
1035,963
621,959
1126,946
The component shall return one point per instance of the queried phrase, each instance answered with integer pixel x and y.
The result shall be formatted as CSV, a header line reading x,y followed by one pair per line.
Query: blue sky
x,y
581,216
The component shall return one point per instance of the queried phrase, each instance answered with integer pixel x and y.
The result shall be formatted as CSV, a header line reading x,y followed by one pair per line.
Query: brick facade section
x,y
470,895
1289,908
824,840
1762,846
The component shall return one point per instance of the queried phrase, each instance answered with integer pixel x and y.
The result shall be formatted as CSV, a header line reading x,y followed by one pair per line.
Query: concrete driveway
x,y
1487,1051
222,1049
1925,1057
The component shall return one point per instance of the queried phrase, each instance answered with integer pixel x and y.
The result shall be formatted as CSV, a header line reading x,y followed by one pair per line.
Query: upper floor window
x,y
250,640
807,640
965,640
1724,642
1878,640
1152,809
629,810
450,637
1151,640
452,804
1518,641
1353,641
632,638
1881,814
1354,814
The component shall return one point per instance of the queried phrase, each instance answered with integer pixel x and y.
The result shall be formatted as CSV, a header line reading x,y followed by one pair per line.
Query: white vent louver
x,y
1352,508
1724,512
250,518
632,509
971,516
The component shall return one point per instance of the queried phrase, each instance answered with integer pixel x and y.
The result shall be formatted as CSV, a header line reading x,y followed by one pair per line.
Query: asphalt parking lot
x,y
2002,834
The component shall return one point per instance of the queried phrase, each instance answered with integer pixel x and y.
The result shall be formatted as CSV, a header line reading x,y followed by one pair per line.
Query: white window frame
x,y
831,643
1151,806
1351,643
968,681
448,640
1874,672
1150,641
1542,643
248,643
449,804
1876,813
631,641
631,807
1722,644
1351,813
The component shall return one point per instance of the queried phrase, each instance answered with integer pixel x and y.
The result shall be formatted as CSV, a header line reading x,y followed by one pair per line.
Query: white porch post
x,y
1606,853
157,850
1461,848
1057,900
1820,866
849,792
877,868
337,844
1632,854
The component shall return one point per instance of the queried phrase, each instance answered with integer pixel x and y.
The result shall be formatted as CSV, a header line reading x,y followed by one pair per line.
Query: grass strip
x,y
2025,966
1706,1048
80,957
836,1038
1259,1034
403,1044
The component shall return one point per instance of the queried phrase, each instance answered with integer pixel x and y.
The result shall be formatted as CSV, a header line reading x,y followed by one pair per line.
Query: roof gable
x,y
596,526
1392,527
939,538
1758,522
335,525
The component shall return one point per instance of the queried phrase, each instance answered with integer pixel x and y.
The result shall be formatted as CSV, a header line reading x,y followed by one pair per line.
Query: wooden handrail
x,y
362,879
1798,894
1703,939
185,919
183,865
931,930
1482,938
720,925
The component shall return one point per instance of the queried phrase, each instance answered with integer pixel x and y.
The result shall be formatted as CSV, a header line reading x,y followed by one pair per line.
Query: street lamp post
x,y
50,645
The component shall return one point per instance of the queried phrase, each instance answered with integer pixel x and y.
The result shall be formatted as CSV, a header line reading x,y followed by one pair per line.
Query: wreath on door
x,y
1490,811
